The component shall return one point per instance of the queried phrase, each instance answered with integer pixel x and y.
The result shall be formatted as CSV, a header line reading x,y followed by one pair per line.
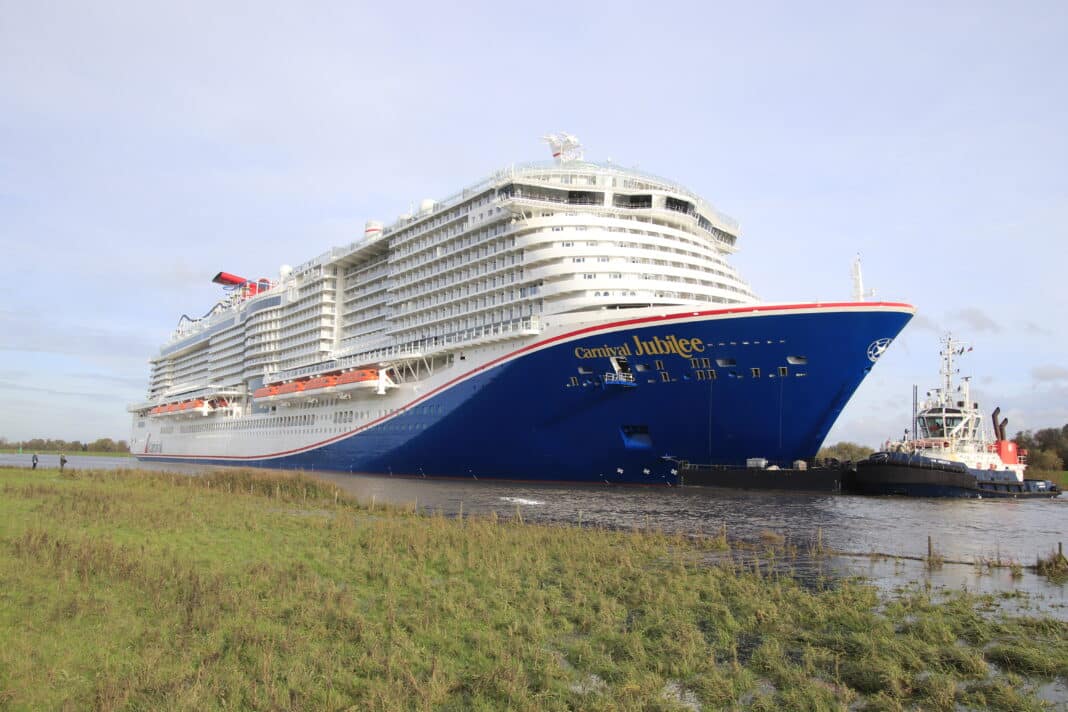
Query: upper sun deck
x,y
573,175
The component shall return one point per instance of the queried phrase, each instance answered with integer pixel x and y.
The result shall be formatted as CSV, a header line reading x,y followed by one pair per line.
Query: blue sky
x,y
146,146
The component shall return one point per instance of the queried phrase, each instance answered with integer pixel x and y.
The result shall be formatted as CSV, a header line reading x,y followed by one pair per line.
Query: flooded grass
x,y
252,589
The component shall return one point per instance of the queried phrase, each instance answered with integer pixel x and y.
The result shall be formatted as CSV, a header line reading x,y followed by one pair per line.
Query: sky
x,y
146,146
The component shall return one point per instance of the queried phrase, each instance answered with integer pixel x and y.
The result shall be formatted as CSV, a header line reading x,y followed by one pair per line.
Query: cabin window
x,y
783,371
726,362
665,376
755,372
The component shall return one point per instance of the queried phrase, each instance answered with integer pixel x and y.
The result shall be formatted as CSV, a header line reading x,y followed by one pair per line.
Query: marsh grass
x,y
1054,566
252,589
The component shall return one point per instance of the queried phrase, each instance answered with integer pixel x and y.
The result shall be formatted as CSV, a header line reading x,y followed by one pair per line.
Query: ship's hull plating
x,y
767,382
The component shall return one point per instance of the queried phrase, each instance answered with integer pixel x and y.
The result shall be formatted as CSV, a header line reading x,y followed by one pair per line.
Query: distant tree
x,y
1047,449
102,445
1025,441
1045,460
844,451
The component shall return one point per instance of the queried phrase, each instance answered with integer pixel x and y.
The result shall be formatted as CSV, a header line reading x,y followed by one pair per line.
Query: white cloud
x,y
975,319
1049,372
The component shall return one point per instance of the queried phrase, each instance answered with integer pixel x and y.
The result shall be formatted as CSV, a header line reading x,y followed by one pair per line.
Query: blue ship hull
x,y
709,387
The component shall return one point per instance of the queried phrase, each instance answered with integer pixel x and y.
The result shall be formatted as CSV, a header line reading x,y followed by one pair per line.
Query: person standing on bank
x,y
34,461
62,461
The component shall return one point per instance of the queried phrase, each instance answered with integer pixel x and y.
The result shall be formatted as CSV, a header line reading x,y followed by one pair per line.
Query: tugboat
x,y
950,453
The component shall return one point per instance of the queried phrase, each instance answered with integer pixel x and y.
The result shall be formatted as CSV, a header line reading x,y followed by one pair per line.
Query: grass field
x,y
240,589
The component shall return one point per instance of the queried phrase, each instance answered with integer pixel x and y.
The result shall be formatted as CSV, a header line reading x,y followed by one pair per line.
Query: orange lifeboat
x,y
157,410
171,408
265,391
358,376
294,387
321,382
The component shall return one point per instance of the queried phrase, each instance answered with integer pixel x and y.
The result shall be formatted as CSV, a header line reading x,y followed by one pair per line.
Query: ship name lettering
x,y
669,344
656,346
605,351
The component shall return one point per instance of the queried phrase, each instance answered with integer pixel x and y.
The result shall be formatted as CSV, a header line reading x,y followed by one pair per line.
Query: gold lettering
x,y
669,344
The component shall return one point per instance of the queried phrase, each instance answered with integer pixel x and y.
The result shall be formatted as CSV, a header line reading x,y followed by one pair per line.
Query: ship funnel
x,y
229,280
372,229
1004,422
997,431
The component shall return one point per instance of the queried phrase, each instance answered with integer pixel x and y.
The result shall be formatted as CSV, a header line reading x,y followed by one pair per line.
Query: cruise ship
x,y
558,321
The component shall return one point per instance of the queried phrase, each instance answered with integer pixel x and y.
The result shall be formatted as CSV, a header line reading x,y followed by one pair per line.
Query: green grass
x,y
239,589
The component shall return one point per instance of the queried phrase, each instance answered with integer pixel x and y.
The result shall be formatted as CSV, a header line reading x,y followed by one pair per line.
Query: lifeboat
x,y
358,376
320,382
157,410
265,392
294,387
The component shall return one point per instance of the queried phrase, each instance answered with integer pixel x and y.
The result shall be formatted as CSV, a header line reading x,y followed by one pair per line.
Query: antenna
x,y
859,294
915,409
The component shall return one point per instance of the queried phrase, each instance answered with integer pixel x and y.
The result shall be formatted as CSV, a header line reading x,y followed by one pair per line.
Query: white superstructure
x,y
488,264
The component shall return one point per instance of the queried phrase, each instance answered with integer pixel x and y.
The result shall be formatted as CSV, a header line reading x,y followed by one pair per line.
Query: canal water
x,y
960,530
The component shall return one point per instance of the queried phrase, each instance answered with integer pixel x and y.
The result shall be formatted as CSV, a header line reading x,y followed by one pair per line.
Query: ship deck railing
x,y
612,378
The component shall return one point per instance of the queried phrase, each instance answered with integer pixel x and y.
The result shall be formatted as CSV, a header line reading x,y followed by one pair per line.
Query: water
x,y
960,529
